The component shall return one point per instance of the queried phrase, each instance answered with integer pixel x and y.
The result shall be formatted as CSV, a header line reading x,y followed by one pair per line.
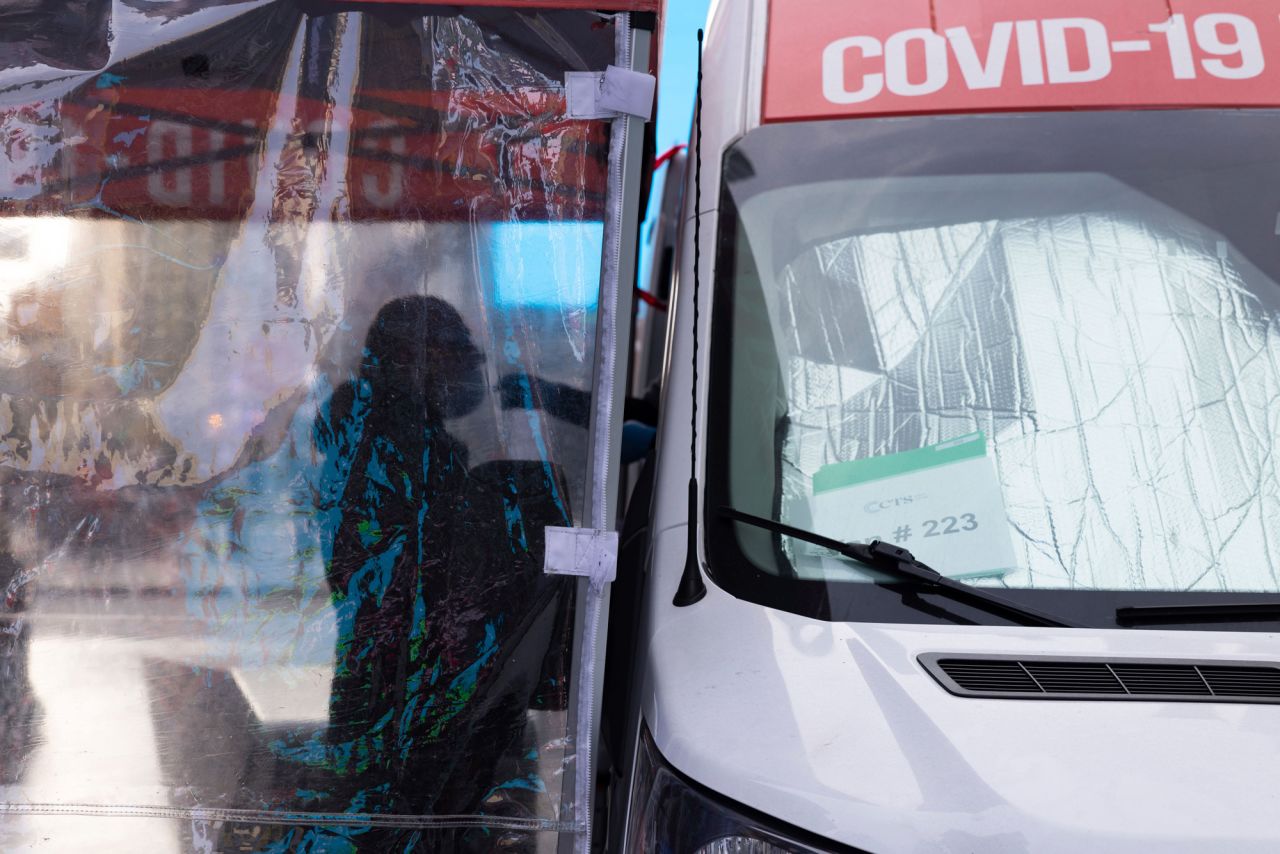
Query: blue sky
x,y
679,70
675,95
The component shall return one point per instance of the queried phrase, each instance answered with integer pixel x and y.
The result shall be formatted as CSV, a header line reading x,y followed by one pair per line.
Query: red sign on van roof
x,y
834,58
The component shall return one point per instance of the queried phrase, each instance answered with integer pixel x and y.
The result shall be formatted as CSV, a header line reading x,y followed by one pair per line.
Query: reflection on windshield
x,y
1055,380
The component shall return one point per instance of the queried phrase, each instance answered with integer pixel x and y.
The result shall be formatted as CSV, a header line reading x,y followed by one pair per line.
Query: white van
x,y
996,284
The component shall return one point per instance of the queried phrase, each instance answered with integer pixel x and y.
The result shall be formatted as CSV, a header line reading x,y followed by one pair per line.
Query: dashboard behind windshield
x,y
1042,351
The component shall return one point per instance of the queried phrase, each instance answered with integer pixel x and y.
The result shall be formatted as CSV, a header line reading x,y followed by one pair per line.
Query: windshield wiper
x,y
1200,612
897,561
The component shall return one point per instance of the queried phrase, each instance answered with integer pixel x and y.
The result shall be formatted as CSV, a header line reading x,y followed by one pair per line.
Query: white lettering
x,y
1131,46
175,192
217,168
916,62
1057,54
979,74
1184,63
833,70
389,196
1029,53
1246,44
896,72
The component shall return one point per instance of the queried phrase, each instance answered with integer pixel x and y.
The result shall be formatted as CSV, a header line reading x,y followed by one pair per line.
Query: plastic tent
x,y
309,337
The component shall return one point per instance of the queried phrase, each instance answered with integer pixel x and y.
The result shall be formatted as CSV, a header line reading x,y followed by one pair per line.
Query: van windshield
x,y
1041,351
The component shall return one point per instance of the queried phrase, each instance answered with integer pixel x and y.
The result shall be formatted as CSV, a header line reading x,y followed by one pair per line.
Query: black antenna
x,y
692,587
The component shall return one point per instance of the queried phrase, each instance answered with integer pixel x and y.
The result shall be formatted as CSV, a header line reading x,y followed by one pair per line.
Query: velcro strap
x,y
584,552
609,94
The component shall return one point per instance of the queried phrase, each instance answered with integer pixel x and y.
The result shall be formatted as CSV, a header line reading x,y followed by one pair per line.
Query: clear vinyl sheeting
x,y
299,311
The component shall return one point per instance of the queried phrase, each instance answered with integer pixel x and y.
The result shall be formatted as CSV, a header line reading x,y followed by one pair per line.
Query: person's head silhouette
x,y
419,355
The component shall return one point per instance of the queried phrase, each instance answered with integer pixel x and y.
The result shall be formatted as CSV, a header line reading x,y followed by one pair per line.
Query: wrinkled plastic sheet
x,y
1124,369
300,321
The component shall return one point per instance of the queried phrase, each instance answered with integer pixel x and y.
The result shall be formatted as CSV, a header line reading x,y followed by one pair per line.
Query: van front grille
x,y
1045,678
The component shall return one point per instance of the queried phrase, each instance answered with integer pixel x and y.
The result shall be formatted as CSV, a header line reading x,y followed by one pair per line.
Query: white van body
x,y
836,732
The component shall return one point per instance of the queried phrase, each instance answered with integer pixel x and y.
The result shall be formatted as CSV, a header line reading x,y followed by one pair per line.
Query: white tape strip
x,y
609,94
627,92
583,552
591,554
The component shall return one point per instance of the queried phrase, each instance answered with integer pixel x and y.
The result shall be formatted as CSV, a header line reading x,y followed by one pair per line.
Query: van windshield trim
x,y
779,587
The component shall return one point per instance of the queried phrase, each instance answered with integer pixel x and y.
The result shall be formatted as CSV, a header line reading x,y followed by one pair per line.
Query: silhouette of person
x,y
448,630
404,621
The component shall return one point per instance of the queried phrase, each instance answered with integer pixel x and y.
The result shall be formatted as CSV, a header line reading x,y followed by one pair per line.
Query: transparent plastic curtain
x,y
300,313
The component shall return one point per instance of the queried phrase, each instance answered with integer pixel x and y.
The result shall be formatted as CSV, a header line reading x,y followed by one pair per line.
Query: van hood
x,y
838,729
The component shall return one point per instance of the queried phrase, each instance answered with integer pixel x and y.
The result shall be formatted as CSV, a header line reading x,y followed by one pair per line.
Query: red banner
x,y
157,153
837,58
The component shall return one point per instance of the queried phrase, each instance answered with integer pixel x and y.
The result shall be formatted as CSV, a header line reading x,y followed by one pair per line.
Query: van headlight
x,y
670,814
